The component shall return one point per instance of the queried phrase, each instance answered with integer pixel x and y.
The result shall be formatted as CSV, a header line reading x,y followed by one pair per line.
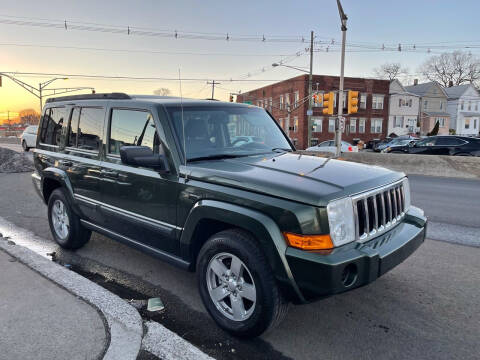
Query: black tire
x,y
396,152
270,306
24,146
77,234
463,154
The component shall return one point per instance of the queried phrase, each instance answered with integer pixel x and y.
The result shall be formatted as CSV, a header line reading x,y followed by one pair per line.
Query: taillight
x,y
350,149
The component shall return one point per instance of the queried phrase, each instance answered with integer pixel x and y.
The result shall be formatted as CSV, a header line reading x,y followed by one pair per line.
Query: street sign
x,y
309,112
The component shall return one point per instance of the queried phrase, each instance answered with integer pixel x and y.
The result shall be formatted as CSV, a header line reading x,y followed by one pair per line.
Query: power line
x,y
138,51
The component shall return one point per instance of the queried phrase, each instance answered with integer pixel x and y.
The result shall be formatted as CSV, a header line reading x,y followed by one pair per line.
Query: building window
x,y
376,126
296,96
331,125
361,125
287,101
377,102
317,124
398,121
314,142
280,104
469,105
363,101
260,103
270,104
400,102
353,125
467,123
425,104
441,105
476,106
295,123
462,105
410,103
474,124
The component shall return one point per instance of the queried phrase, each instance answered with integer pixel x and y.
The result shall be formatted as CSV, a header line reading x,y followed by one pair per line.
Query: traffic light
x,y
352,101
328,100
231,98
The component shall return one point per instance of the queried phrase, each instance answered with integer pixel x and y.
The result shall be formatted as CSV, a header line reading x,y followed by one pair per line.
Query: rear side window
x,y
89,129
131,127
449,141
51,127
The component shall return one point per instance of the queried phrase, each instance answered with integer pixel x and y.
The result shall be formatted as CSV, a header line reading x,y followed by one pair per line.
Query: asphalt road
x,y
425,308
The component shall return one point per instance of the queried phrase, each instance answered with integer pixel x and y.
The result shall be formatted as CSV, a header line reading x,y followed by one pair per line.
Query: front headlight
x,y
340,220
406,191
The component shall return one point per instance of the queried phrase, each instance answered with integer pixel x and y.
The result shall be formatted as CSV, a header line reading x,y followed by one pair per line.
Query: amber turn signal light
x,y
308,242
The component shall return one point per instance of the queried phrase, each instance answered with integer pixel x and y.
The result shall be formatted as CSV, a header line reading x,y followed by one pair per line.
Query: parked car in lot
x,y
260,226
29,137
446,145
329,146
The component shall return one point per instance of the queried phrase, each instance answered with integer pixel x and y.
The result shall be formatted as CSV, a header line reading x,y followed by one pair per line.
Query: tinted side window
x,y
131,127
449,142
52,126
72,134
90,128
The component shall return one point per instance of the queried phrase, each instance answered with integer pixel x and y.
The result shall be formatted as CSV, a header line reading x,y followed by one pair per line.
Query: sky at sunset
x,y
371,23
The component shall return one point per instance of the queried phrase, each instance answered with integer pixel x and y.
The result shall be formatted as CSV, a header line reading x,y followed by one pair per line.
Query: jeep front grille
x,y
378,210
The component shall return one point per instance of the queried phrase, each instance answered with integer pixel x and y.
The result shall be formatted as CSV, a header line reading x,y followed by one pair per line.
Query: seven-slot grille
x,y
378,210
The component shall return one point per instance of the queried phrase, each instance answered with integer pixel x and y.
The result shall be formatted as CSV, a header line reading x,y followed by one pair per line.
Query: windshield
x,y
216,131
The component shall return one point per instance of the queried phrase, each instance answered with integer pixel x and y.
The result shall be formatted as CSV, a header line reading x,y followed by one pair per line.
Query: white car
x,y
29,137
329,146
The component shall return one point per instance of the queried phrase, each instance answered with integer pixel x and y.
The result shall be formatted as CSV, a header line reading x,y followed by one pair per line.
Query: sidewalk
x,y
40,320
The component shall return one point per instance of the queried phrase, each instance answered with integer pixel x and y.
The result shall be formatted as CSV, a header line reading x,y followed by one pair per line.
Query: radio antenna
x,y
183,126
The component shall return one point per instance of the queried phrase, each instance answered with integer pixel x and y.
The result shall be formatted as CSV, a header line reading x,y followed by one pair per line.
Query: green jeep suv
x,y
216,188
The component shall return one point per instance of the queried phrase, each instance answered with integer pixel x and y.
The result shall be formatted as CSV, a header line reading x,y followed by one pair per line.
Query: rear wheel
x,y
24,146
463,154
237,285
64,223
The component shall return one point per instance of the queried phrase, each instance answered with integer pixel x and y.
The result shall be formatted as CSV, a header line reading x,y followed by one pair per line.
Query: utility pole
x,y
213,83
338,130
310,100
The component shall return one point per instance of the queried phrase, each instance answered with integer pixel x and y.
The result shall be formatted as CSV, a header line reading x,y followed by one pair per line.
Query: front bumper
x,y
356,264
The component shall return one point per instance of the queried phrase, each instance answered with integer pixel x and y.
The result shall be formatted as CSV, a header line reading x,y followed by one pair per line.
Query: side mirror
x,y
143,156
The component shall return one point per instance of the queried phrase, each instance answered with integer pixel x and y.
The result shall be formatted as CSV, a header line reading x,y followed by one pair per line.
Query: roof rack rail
x,y
109,96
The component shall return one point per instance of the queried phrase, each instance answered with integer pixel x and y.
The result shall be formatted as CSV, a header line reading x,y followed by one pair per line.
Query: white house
x,y
464,105
403,110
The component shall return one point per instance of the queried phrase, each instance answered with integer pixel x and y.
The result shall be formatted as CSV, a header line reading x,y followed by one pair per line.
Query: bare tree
x,y
162,92
458,67
390,71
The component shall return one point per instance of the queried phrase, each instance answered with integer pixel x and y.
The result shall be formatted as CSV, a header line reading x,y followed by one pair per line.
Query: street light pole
x,y
38,92
338,130
310,100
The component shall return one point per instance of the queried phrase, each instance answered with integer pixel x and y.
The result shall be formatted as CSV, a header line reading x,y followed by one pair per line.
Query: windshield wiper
x,y
214,157
282,149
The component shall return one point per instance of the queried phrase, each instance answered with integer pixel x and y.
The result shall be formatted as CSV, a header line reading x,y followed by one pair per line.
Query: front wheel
x,y
24,146
237,285
65,225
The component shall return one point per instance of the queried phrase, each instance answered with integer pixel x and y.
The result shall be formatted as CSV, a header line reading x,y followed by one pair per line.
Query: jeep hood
x,y
306,179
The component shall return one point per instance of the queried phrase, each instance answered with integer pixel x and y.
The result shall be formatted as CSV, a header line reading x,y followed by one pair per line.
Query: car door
x,y
424,146
82,159
139,202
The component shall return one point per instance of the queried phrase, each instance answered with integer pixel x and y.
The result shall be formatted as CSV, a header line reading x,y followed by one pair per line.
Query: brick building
x,y
369,123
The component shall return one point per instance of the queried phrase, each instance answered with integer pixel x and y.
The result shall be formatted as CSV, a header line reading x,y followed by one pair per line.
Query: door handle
x,y
113,174
66,163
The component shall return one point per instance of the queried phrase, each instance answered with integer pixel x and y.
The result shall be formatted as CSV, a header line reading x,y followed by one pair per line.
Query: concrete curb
x,y
167,345
124,322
